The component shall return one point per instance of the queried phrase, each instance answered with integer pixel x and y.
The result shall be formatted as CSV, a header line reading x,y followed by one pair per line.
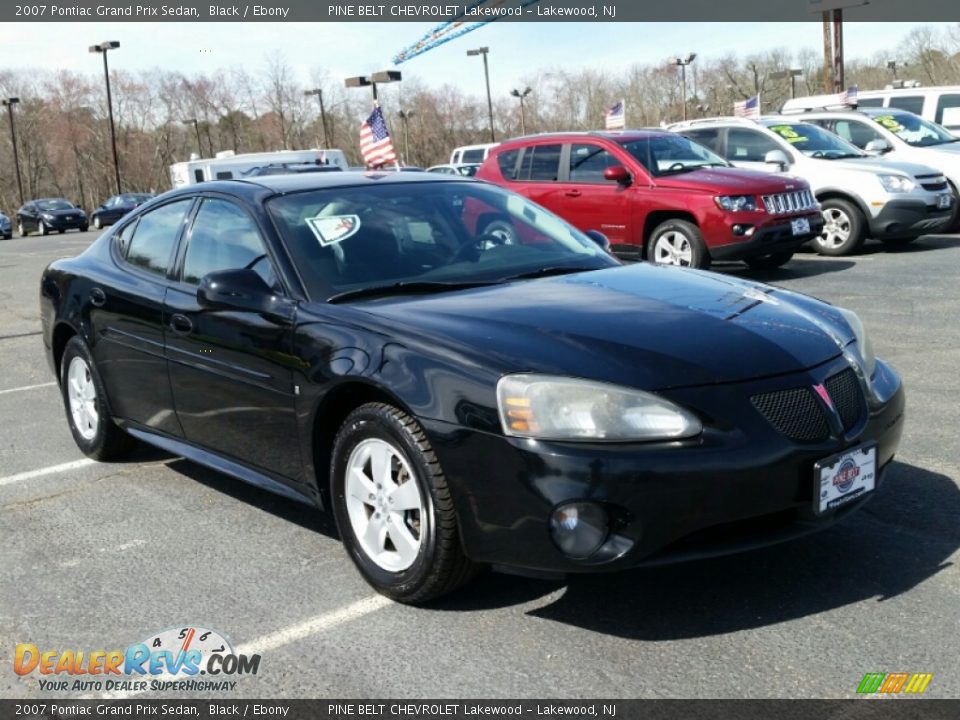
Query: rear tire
x,y
678,242
502,229
769,262
954,225
21,230
85,401
844,228
393,507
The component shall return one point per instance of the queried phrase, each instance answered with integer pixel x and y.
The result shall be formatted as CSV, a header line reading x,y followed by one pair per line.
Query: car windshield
x,y
815,142
913,129
437,235
54,205
669,154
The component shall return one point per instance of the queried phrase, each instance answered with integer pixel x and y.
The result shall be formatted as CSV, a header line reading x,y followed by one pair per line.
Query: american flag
x,y
749,108
375,144
850,96
615,116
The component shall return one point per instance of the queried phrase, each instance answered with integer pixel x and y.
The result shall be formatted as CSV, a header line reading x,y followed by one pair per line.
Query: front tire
x,y
393,506
85,401
844,228
502,229
96,222
21,230
769,262
678,242
42,227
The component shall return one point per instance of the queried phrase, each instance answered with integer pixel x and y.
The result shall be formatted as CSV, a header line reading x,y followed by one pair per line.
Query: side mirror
x,y
617,174
878,146
599,238
778,158
235,290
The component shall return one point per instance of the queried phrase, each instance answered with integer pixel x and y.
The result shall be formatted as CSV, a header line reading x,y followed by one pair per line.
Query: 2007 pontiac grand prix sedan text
x,y
457,399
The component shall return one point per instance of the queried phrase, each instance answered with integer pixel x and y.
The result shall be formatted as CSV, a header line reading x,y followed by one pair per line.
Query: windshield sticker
x,y
889,123
788,133
332,229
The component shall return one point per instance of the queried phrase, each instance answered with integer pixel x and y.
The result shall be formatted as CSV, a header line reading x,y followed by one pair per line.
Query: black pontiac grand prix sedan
x,y
458,399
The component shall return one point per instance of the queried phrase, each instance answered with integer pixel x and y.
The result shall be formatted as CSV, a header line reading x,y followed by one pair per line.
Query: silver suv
x,y
859,195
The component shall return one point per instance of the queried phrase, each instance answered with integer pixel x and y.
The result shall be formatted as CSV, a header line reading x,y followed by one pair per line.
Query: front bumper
x,y
58,223
774,236
909,218
737,486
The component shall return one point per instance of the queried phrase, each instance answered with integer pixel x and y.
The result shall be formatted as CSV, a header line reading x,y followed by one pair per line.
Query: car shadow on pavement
x,y
306,516
798,267
897,541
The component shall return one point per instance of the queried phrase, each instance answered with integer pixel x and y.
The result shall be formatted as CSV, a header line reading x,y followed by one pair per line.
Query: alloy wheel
x,y
673,248
385,505
836,228
83,398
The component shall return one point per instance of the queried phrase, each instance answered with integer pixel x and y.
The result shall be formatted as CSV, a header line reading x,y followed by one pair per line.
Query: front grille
x,y
844,390
795,413
789,202
932,182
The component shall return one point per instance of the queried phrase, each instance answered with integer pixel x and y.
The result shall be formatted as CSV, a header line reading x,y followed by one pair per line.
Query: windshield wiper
x,y
404,287
548,271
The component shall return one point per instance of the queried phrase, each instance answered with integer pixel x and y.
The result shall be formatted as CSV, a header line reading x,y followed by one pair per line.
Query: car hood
x,y
72,212
882,165
734,181
648,326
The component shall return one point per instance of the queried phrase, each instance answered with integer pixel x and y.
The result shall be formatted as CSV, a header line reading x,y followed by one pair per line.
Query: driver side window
x,y
223,237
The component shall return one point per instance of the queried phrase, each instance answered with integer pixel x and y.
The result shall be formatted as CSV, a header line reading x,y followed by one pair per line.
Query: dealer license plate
x,y
944,201
800,226
845,477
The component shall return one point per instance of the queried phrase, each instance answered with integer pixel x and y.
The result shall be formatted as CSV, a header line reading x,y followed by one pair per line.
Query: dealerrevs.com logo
x,y
174,659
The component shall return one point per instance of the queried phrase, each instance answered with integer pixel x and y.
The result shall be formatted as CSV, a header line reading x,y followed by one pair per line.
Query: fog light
x,y
738,230
579,529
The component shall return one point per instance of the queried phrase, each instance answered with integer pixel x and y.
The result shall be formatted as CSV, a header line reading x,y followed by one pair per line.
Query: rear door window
x,y
910,103
507,161
708,137
870,102
855,132
948,111
541,163
156,235
748,145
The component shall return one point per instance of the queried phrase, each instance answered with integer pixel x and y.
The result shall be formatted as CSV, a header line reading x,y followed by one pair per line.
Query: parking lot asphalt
x,y
99,556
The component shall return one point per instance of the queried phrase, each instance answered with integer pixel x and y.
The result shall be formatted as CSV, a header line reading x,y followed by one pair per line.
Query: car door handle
x,y
98,297
181,324
573,193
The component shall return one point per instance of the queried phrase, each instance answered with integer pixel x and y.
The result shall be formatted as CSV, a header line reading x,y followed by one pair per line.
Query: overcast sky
x,y
516,49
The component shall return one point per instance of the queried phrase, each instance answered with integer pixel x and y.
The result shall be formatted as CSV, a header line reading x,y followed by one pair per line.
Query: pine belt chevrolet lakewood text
x,y
458,399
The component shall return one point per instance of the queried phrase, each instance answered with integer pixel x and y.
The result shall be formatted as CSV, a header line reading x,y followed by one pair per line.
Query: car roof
x,y
613,135
300,182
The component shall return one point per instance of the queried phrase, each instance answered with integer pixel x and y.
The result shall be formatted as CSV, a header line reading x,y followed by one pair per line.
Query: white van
x,y
939,104
471,153
227,165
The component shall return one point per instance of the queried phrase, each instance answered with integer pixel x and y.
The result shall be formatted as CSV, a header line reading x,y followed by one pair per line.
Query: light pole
x,y
405,116
196,127
102,48
793,74
486,74
378,78
9,103
323,112
520,96
682,64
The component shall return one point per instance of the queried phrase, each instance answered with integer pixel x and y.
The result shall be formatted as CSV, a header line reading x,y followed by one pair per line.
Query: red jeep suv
x,y
658,195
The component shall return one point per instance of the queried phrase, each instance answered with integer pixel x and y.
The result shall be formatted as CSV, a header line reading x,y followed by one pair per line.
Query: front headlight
x,y
897,183
864,348
548,407
733,203
46,216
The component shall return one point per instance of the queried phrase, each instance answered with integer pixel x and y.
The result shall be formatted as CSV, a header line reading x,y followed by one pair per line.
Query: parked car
x,y
358,343
464,169
658,195
6,227
898,135
938,103
48,215
471,153
116,207
860,195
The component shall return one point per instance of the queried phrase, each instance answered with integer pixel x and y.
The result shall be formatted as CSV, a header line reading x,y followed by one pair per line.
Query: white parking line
x,y
26,387
281,637
30,474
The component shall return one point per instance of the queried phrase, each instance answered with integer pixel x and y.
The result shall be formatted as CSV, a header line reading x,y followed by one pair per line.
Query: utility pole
x,y
9,103
827,54
102,48
486,74
323,113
